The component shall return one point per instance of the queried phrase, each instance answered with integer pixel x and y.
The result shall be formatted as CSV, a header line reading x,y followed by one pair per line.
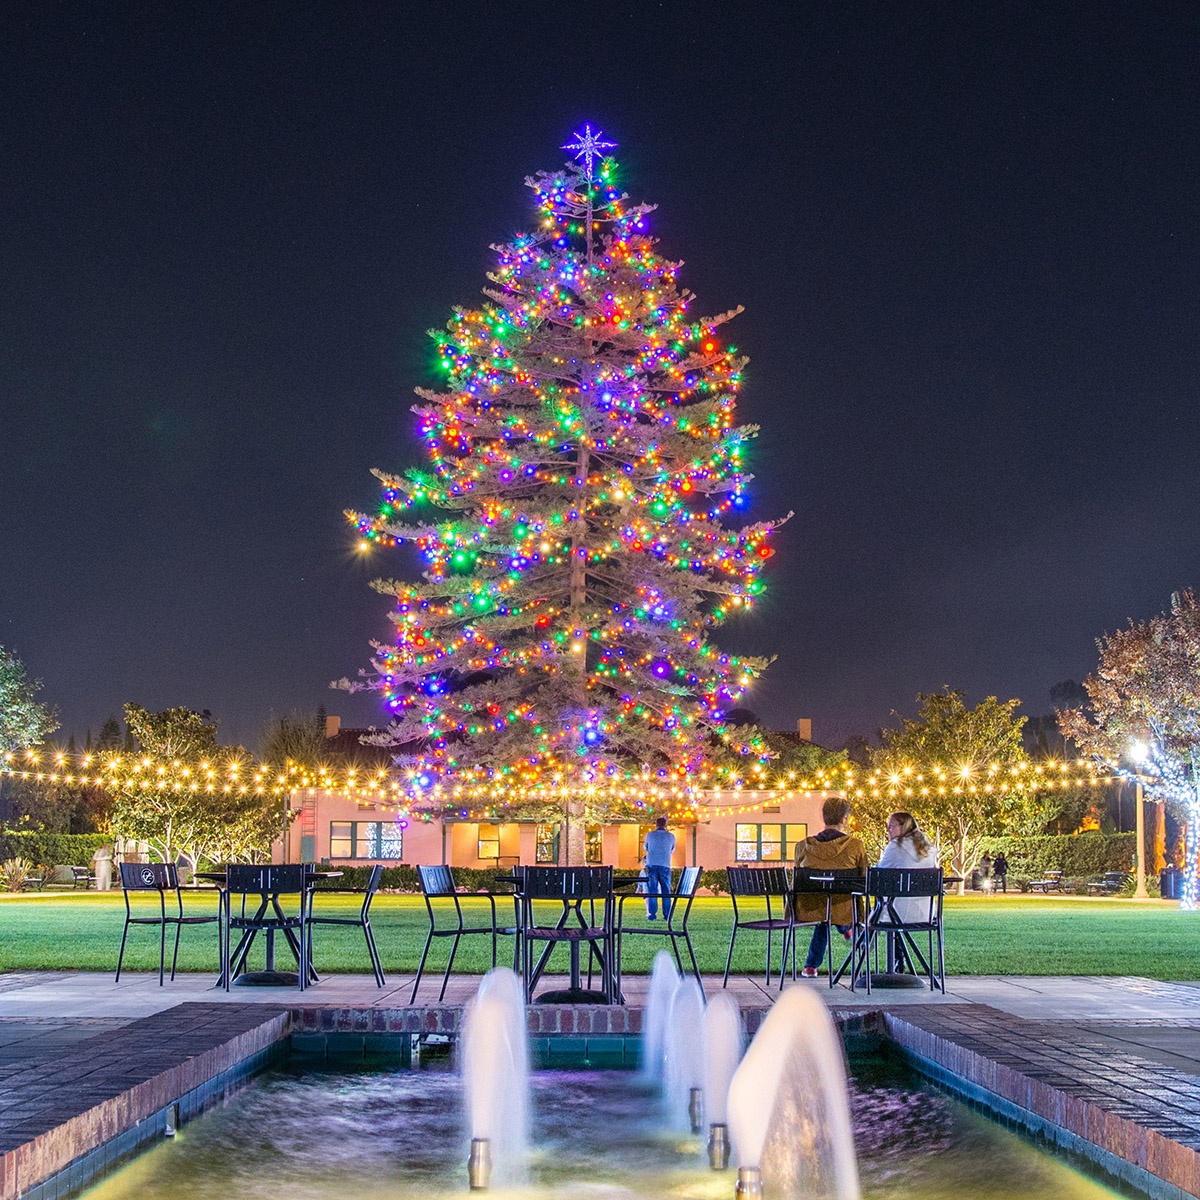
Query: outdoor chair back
x,y
585,917
161,878
363,921
448,919
902,902
813,881
674,924
265,883
748,888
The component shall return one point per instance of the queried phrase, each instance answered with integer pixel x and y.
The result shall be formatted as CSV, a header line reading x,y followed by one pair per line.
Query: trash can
x,y
1170,883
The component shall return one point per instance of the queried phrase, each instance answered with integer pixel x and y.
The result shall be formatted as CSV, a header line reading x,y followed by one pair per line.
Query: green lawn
x,y
1019,935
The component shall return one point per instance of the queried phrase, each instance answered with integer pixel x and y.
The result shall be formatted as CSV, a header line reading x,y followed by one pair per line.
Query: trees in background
x,y
24,720
1146,693
213,821
952,767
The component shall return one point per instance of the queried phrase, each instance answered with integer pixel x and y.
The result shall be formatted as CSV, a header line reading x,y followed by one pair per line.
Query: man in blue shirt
x,y
660,845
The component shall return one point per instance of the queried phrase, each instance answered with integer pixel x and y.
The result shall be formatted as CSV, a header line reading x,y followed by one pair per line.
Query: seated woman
x,y
908,849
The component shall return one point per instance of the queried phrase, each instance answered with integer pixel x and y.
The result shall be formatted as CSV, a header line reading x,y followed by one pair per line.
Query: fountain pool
x,y
399,1134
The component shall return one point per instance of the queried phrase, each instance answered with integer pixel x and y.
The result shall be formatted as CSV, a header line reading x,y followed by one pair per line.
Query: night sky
x,y
967,238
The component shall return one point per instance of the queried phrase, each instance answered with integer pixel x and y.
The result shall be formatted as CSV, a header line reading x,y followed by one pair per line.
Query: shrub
x,y
60,849
14,872
1077,856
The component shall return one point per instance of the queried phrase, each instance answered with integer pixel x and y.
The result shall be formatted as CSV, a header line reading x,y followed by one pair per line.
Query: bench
x,y
1110,885
82,877
1051,882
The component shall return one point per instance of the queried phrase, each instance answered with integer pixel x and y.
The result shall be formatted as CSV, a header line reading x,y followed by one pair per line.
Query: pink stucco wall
x,y
709,842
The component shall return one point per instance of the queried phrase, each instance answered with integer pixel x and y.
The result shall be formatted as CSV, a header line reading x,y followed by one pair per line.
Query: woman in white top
x,y
908,848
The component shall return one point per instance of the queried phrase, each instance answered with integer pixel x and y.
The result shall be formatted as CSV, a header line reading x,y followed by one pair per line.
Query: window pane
x,y
547,844
771,833
489,841
771,851
747,852
391,840
746,833
341,835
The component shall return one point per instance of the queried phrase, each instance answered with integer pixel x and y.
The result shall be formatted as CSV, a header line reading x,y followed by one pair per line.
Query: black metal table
x,y
575,993
268,902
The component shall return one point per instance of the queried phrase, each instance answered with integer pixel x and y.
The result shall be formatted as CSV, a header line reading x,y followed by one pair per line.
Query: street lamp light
x,y
1139,752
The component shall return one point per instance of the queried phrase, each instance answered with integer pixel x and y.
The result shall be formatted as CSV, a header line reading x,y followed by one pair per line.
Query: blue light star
x,y
588,146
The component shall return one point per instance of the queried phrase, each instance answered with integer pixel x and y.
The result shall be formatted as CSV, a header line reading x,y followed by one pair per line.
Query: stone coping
x,y
1143,1117
113,1088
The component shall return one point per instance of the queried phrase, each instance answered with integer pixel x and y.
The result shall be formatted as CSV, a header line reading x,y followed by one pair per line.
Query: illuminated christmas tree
x,y
584,473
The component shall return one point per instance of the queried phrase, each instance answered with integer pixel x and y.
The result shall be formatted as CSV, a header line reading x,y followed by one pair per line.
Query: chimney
x,y
804,728
333,726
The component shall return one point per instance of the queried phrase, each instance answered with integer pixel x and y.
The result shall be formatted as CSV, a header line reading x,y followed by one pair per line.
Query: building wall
x,y
710,842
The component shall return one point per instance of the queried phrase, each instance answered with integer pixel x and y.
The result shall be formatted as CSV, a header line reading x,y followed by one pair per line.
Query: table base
x,y
572,996
267,979
896,979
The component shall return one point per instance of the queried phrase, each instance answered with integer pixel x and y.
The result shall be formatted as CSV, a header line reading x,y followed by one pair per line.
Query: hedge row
x,y
51,849
1077,856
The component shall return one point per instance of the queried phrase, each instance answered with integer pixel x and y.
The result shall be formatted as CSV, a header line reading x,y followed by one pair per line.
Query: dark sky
x,y
967,237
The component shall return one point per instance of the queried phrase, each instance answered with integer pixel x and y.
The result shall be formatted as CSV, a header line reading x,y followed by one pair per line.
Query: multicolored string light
x,y
582,464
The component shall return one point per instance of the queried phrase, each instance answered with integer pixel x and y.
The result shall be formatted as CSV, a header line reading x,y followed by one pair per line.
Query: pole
x,y
1140,893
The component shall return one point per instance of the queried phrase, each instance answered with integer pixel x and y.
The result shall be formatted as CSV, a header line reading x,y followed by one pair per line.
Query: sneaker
x,y
809,972
846,934
651,917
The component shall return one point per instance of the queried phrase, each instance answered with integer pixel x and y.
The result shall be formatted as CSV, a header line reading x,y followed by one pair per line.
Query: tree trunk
x,y
572,846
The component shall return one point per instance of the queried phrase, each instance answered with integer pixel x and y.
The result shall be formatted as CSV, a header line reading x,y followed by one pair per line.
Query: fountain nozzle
x,y
749,1183
718,1146
696,1108
479,1164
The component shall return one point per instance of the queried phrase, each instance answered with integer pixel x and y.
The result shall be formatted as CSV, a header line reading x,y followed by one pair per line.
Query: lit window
x,y
767,843
489,841
365,839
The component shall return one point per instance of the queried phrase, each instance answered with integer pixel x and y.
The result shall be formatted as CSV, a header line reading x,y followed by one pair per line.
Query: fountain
x,y
495,1074
683,1056
664,979
723,1042
788,1108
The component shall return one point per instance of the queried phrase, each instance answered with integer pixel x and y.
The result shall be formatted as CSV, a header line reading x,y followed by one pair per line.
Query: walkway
x,y
1116,1061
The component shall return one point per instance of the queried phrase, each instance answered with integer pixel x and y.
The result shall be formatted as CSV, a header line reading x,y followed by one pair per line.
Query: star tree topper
x,y
588,146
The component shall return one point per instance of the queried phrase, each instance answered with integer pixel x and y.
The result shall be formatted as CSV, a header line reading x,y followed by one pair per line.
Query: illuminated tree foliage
x,y
947,767
1147,690
218,824
584,466
24,720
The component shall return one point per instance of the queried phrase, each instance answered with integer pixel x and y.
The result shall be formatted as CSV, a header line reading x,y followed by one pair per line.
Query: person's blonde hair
x,y
910,829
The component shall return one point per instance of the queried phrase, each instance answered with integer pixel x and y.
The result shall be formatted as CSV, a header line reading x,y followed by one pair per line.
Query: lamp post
x,y
1138,752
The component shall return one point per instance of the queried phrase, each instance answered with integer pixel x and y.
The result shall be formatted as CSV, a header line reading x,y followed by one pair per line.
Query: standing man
x,y
660,845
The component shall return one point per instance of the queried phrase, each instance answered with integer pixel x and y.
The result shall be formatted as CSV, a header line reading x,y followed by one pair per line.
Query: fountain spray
x,y
723,1041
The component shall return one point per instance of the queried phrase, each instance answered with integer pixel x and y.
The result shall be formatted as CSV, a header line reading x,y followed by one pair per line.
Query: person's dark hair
x,y
835,810
661,823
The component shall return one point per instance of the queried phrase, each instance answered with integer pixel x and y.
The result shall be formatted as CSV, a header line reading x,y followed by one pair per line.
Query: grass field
x,y
1018,935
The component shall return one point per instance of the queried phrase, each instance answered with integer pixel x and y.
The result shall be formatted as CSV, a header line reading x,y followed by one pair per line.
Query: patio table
x,y
572,906
269,910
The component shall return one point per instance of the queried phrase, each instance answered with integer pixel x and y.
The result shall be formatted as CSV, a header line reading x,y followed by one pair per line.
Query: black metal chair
x,y
674,926
572,888
771,885
812,881
161,878
363,921
437,886
266,884
886,886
